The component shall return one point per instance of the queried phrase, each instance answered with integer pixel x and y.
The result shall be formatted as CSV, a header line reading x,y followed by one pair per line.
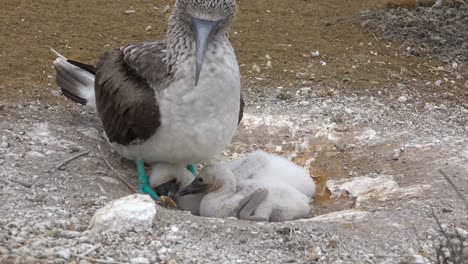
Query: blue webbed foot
x,y
145,186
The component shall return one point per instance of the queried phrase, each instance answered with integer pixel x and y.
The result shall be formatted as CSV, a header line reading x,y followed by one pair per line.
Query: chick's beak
x,y
193,188
168,189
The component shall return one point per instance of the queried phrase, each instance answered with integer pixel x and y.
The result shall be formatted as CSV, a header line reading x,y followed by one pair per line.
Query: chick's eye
x,y
174,181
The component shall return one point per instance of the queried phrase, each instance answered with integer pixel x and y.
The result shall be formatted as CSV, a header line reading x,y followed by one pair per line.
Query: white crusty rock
x,y
134,212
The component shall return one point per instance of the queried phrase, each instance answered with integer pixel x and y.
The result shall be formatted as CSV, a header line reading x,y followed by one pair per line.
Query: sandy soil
x,y
366,106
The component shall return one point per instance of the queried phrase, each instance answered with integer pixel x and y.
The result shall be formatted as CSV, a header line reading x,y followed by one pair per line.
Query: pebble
x,y
130,12
65,253
439,82
396,154
139,260
341,128
402,99
256,68
133,212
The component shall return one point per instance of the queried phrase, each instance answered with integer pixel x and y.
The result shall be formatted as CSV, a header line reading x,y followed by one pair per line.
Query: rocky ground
x,y
372,121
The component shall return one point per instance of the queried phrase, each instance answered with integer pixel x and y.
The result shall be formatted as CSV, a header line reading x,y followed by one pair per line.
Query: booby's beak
x,y
168,189
193,188
203,31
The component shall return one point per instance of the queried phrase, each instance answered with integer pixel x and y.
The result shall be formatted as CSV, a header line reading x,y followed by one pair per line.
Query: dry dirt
x,y
343,114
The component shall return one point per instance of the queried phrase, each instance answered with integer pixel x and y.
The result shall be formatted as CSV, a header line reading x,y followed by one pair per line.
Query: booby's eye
x,y
174,181
200,180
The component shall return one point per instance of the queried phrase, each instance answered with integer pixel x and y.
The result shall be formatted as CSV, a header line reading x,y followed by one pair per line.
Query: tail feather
x,y
76,80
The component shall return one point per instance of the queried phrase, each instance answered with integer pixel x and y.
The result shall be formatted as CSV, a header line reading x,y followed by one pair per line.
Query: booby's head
x,y
211,178
207,20
168,179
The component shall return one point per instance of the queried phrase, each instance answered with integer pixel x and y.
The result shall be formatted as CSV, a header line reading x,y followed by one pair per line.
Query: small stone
x,y
139,260
268,64
439,82
333,243
148,28
402,99
341,128
64,253
418,259
315,53
396,154
462,232
133,212
128,12
278,148
74,149
256,68
167,8
268,57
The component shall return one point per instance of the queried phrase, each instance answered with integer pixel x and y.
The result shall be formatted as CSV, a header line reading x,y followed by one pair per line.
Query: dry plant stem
x,y
91,250
455,188
72,158
453,257
110,166
95,260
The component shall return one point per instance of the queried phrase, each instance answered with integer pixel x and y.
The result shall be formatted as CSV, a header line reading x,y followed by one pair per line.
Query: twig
x,y
95,260
91,250
432,69
455,188
449,243
110,166
101,188
72,158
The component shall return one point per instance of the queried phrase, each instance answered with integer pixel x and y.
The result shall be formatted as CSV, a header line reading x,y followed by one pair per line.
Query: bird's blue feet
x,y
192,169
145,186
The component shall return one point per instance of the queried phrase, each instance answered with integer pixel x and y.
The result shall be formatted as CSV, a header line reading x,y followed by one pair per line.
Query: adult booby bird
x,y
177,100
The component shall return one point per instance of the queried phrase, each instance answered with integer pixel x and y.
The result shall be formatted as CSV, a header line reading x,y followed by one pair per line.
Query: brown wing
x,y
125,102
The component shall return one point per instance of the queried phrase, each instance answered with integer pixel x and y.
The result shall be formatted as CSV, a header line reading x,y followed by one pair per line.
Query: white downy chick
x,y
267,167
168,179
256,200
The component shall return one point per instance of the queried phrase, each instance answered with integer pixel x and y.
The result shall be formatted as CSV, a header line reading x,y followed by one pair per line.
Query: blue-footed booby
x,y
175,101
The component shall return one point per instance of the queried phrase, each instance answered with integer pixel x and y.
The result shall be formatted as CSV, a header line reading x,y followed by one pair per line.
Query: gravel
x,y
45,212
439,31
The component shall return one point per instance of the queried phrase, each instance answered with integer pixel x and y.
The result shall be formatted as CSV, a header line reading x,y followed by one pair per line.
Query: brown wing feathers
x,y
126,104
